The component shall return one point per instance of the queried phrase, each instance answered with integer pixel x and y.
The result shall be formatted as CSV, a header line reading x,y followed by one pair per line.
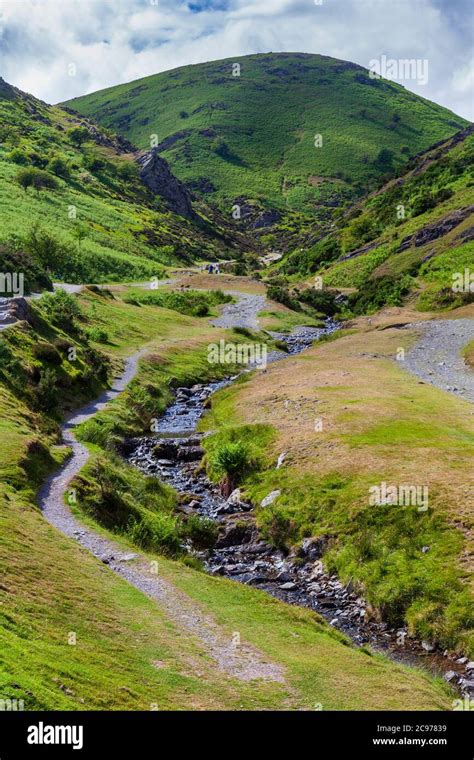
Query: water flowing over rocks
x,y
298,577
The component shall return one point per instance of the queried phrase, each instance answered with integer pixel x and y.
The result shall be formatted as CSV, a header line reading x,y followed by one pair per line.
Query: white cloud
x,y
112,41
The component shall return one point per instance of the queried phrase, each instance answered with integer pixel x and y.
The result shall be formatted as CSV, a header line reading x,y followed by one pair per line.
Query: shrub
x,y
78,135
283,295
45,395
127,171
155,533
93,162
325,250
19,156
62,308
423,203
6,356
201,531
47,249
385,158
201,310
79,232
36,178
14,258
231,460
59,166
382,291
220,147
323,301
46,352
98,365
98,335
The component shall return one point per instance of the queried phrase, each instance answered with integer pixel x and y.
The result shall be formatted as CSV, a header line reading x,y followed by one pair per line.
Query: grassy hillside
x,y
253,136
406,240
378,424
128,654
86,216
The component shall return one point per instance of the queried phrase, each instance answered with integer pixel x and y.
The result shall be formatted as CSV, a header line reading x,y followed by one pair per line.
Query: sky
x,y
58,49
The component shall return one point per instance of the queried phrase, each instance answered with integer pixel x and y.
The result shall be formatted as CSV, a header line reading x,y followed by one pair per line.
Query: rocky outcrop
x,y
359,251
116,142
267,218
157,176
172,139
437,229
7,92
253,216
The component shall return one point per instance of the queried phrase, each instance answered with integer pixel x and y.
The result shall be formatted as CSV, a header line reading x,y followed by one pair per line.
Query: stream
x,y
174,452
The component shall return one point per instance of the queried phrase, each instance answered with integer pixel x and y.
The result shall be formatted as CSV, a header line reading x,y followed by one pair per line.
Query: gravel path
x,y
437,359
242,662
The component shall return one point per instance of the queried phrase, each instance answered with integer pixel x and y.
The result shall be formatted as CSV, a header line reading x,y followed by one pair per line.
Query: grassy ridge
x,y
253,135
103,223
387,228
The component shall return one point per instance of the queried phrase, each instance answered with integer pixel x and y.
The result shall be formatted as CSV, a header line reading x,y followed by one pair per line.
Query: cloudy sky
x,y
57,49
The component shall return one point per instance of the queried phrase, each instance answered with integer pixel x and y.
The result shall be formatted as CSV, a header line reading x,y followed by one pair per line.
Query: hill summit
x,y
291,131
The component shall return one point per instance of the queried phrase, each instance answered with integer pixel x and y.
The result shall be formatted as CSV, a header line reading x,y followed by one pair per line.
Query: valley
x,y
189,459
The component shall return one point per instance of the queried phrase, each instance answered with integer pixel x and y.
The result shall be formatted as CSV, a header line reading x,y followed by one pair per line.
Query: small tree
x,y
78,135
94,162
36,178
79,233
127,171
46,248
46,390
18,156
385,158
59,166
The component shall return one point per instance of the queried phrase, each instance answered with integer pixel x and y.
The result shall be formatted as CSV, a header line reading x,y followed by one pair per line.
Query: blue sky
x,y
57,49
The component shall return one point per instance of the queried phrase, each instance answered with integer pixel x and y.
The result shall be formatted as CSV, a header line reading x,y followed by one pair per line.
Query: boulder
x,y
190,453
235,497
235,531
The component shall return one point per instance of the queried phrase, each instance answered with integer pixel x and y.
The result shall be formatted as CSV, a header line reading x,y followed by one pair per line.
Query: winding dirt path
x,y
242,662
436,358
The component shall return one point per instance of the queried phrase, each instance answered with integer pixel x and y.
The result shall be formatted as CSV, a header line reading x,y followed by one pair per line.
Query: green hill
x,y
252,137
71,197
409,238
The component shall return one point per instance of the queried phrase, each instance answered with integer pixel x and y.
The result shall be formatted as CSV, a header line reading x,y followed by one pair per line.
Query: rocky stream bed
x,y
174,453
